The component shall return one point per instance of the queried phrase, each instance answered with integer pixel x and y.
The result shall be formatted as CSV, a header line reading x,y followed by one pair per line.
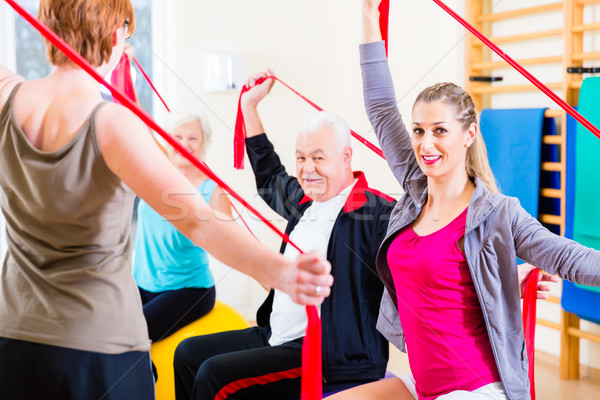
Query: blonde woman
x,y
172,274
449,258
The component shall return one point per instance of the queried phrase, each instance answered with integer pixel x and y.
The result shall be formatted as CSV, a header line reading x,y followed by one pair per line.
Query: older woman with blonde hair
x,y
172,274
72,323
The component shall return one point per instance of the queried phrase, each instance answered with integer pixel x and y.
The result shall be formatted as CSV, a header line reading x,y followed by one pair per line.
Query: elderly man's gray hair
x,y
335,124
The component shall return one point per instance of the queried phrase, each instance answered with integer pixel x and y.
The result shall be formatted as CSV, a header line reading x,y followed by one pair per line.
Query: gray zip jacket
x,y
498,230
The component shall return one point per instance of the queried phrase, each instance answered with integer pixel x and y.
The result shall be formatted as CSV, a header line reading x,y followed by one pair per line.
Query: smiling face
x,y
191,137
439,140
322,168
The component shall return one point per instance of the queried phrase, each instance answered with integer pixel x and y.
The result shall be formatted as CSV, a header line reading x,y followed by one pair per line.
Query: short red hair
x,y
86,25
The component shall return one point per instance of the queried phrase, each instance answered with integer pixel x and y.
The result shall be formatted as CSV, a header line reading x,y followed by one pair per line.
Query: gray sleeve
x,y
388,322
552,253
382,110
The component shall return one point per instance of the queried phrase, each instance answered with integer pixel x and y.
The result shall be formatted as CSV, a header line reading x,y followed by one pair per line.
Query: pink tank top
x,y
448,344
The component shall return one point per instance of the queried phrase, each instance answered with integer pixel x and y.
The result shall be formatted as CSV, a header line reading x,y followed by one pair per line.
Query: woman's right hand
x,y
309,280
371,32
130,51
371,4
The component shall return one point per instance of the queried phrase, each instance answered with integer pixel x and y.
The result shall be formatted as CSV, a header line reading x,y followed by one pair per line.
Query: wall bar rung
x,y
585,27
512,88
553,299
554,113
524,61
551,219
584,2
524,36
592,55
552,166
583,334
552,193
552,139
522,12
548,324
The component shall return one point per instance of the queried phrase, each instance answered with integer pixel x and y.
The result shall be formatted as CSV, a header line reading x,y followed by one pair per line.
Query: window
x,y
142,42
30,49
29,46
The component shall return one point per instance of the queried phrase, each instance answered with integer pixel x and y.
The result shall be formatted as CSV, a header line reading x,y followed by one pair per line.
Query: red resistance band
x,y
244,222
121,78
239,138
529,314
384,18
312,376
81,62
150,82
560,102
311,352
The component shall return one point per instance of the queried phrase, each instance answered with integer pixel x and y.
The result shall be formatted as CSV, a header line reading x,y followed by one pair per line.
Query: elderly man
x,y
332,210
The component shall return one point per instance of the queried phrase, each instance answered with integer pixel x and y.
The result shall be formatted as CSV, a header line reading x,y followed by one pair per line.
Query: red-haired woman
x,y
72,325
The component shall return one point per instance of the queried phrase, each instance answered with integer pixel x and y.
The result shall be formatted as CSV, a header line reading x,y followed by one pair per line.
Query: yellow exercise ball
x,y
222,318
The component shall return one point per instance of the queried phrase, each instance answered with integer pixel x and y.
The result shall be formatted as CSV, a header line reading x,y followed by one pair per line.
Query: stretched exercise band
x,y
560,102
311,353
123,83
150,82
240,128
311,390
529,313
143,115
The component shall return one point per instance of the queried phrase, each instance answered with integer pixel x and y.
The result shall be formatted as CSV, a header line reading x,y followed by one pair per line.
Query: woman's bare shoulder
x,y
8,80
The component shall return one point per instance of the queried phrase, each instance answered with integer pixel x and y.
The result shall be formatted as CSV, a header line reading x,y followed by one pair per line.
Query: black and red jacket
x,y
353,349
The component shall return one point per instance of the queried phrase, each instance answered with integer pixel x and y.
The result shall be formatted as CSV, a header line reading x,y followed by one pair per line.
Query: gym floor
x,y
548,385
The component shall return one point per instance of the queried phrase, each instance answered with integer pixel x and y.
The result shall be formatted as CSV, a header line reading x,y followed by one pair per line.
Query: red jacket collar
x,y
357,197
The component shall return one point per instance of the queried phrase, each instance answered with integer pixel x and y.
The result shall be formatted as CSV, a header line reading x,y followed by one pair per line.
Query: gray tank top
x,y
66,279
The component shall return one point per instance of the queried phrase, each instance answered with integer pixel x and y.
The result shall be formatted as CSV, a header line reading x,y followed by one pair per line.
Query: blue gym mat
x,y
513,138
583,190
581,300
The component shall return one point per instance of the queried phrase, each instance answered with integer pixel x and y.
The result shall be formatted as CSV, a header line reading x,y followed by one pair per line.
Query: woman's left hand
x,y
543,290
130,51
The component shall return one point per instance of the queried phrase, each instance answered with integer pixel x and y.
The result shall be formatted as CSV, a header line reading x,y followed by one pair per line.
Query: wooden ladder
x,y
479,63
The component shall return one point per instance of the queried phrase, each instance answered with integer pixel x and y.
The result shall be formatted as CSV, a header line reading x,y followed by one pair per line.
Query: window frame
x,y
8,52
